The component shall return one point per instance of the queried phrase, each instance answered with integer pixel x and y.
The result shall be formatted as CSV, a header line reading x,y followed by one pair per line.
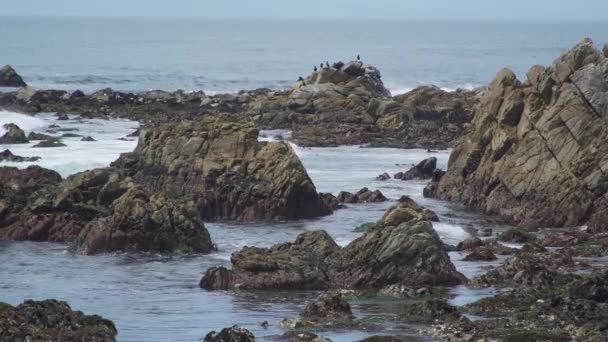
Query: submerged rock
x,y
402,248
536,150
219,162
39,136
13,135
233,334
52,320
430,311
8,156
10,78
88,138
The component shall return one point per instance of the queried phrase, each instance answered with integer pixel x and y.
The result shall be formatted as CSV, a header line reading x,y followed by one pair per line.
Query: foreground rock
x,y
101,210
536,152
219,164
10,78
13,135
402,248
233,334
8,156
52,320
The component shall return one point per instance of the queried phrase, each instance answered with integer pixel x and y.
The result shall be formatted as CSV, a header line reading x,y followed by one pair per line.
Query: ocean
x,y
228,55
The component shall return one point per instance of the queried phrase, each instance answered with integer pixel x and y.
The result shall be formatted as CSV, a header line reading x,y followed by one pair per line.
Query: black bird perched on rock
x,y
327,64
300,79
321,65
315,68
358,57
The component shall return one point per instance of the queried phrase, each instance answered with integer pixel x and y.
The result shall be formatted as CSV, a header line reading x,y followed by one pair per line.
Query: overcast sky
x,y
596,10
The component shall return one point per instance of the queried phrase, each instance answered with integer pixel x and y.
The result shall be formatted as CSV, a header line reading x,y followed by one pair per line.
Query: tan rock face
x,y
537,151
219,163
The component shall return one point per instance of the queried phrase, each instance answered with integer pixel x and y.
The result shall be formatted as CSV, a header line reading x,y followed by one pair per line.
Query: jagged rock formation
x,y
10,78
233,334
422,170
362,196
402,248
537,151
52,320
13,135
219,163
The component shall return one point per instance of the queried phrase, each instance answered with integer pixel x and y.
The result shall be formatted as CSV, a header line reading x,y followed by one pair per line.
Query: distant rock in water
x,y
537,152
10,78
362,196
233,334
13,135
402,248
220,164
39,136
52,320
88,138
423,170
50,143
8,156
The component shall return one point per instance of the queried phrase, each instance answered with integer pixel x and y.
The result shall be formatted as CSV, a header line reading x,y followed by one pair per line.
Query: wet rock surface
x,y
402,248
8,156
536,150
423,170
362,196
52,320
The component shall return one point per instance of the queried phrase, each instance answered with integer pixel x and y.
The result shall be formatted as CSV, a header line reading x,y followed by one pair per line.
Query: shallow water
x,y
156,298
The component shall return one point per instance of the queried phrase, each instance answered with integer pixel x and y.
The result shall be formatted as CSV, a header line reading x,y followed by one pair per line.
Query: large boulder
x,y
10,78
8,156
219,163
422,170
537,151
13,135
139,222
52,320
402,248
232,334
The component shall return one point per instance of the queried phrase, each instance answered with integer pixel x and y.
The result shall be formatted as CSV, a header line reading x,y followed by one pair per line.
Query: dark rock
x,y
385,338
62,116
52,320
402,248
13,135
480,254
49,143
423,170
233,334
516,235
71,135
383,177
7,156
10,78
362,196
39,136
88,138
332,306
430,311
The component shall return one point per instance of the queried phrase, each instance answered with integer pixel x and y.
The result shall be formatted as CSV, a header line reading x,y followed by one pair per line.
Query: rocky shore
x,y
343,104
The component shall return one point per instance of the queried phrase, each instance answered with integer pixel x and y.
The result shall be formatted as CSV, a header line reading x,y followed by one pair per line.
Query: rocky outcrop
x,y
50,144
10,78
537,153
219,164
362,196
422,170
233,334
8,156
52,320
402,248
13,135
331,305
139,222
102,210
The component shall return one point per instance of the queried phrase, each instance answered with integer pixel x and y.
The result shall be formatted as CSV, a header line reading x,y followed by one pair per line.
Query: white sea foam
x,y
399,90
78,155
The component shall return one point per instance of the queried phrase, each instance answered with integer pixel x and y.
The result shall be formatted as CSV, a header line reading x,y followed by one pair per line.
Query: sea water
x,y
228,55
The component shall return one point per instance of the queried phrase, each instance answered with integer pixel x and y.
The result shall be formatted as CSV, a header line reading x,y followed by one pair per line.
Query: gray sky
x,y
391,9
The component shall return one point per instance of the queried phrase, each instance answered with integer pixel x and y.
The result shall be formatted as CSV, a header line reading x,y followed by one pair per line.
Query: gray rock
x,y
10,78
